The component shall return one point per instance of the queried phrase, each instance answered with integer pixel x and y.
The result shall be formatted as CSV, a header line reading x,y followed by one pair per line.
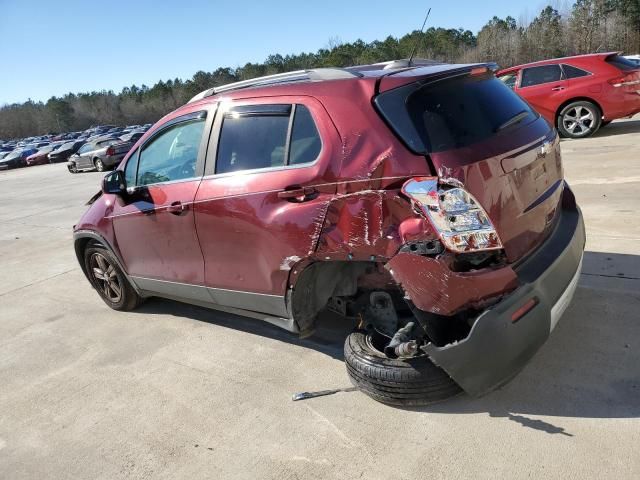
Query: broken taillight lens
x,y
461,222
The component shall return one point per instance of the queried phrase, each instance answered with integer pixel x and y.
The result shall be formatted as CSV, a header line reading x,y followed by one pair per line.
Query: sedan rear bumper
x,y
497,347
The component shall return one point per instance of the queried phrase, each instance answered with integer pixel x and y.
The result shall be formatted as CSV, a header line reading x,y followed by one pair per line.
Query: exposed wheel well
x,y
80,245
322,280
576,99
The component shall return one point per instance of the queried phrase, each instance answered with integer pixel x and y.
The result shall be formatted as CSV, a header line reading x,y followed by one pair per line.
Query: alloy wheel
x,y
99,165
579,120
106,277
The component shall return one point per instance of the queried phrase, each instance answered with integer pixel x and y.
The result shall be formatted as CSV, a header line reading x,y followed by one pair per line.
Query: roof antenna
x,y
415,45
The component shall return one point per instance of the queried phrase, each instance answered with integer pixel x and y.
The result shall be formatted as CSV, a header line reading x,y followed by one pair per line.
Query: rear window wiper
x,y
518,117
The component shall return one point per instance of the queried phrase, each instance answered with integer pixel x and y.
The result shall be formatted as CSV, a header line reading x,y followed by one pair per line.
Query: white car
x,y
634,58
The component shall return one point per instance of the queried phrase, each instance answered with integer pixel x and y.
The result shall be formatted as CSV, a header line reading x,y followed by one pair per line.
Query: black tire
x,y
116,292
72,168
605,123
98,164
403,382
579,119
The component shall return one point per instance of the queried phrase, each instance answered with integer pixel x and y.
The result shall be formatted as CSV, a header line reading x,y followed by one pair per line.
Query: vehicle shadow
x,y
618,127
590,366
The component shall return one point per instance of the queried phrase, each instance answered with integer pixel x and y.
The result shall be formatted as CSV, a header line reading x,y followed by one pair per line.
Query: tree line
x,y
585,27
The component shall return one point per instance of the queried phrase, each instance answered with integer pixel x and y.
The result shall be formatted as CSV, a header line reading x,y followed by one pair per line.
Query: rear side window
x,y
574,72
305,139
621,63
452,113
539,75
249,142
267,136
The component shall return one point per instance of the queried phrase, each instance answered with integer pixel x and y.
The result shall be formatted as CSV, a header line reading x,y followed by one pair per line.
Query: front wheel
x,y
395,381
579,120
108,280
72,168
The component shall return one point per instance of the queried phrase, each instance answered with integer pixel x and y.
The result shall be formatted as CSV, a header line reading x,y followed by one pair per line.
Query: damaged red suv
x,y
425,203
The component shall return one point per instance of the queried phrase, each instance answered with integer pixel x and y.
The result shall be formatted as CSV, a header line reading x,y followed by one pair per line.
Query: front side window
x,y
171,155
85,148
574,72
266,136
131,169
539,75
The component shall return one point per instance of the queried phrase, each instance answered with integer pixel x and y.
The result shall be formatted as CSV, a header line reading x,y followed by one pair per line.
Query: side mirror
x,y
114,183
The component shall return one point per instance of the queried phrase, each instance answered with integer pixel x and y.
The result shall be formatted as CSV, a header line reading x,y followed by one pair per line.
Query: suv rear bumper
x,y
496,349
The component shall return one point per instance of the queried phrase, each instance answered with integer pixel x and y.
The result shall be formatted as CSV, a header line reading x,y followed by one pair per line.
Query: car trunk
x,y
476,132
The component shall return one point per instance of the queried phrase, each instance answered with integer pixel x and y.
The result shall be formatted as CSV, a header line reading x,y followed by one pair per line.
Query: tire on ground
x,y
407,382
129,297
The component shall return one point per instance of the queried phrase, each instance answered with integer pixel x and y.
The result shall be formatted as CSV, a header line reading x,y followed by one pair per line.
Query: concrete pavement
x,y
175,391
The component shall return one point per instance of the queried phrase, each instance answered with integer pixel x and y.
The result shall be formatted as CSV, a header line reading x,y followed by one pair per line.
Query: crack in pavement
x,y
37,282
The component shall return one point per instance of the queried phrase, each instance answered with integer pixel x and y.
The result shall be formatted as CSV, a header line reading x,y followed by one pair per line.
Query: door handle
x,y
177,208
296,193
557,89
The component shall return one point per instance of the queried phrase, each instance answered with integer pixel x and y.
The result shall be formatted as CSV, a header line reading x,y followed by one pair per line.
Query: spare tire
x,y
411,381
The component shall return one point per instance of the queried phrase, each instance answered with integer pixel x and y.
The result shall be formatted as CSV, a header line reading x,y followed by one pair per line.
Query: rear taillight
x,y
111,151
623,81
461,223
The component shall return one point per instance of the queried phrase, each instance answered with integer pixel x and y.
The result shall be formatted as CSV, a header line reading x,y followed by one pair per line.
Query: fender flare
x,y
82,237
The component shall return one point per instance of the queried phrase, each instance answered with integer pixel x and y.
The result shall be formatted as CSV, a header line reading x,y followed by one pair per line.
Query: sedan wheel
x,y
99,165
579,120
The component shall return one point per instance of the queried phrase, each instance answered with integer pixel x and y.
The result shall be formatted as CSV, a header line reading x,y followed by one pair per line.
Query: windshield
x,y
452,113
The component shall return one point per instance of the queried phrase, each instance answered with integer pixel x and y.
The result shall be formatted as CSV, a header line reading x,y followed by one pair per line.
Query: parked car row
x,y
86,150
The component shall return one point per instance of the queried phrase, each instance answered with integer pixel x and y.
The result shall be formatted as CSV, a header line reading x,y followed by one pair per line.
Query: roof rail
x,y
315,74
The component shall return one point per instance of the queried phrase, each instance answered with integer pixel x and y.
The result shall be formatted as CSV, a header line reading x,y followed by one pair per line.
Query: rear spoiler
x,y
410,75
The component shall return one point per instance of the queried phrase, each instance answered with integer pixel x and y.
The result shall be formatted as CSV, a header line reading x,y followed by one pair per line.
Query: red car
x,y
578,94
41,156
426,205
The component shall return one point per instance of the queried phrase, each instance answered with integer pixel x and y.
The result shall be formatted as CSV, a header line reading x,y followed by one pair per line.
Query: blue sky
x,y
51,47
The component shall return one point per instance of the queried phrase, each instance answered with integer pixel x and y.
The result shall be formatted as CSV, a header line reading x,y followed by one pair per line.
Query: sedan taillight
x,y
625,80
111,151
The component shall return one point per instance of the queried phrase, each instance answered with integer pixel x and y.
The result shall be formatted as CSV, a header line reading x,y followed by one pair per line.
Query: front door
x,y
261,207
154,223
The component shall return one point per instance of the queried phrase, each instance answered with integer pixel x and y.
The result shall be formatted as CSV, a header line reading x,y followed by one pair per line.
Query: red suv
x,y
579,94
425,204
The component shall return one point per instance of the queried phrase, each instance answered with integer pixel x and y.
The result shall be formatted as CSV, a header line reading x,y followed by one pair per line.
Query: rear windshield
x,y
621,62
452,113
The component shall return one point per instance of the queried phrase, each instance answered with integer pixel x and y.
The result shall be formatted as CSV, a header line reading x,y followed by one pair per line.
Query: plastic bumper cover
x,y
497,348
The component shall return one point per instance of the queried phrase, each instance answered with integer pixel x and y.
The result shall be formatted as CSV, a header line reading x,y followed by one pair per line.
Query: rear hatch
x,y
477,132
629,74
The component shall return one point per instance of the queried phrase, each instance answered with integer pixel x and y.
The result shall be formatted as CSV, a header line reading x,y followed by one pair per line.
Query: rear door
x,y
261,205
154,223
545,88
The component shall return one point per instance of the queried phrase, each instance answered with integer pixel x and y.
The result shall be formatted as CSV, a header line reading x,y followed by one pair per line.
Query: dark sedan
x,y
17,158
65,151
